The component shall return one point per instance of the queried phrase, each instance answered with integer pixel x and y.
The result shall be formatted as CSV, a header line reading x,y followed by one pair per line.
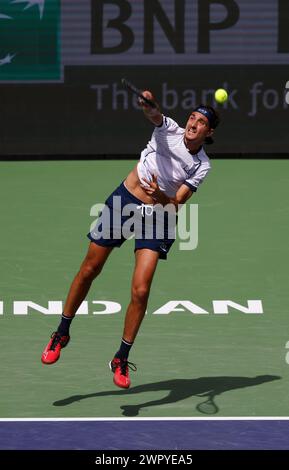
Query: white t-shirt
x,y
167,157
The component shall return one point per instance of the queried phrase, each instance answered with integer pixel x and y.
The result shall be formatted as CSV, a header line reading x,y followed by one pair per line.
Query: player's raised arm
x,y
153,114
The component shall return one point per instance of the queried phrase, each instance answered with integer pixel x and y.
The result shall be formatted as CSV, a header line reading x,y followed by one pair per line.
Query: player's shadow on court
x,y
179,389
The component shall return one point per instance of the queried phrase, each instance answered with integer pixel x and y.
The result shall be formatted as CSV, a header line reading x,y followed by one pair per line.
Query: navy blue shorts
x,y
124,216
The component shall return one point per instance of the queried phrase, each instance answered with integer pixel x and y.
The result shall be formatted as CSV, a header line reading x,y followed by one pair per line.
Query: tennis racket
x,y
208,407
137,92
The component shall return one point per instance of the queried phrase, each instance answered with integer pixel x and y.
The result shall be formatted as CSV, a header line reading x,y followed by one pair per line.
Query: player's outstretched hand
x,y
153,114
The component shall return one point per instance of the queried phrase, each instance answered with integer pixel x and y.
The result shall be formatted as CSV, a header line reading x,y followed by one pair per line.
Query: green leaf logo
x,y
30,40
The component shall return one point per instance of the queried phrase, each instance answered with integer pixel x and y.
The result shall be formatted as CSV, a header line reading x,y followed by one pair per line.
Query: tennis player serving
x,y
170,170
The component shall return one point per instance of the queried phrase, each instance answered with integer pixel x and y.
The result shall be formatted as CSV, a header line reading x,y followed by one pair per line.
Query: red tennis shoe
x,y
121,373
52,351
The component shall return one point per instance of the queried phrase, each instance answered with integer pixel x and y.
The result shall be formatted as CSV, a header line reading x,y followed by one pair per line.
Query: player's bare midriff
x,y
132,184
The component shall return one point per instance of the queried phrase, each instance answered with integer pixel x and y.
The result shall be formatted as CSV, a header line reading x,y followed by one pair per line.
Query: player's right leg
x,y
89,270
146,261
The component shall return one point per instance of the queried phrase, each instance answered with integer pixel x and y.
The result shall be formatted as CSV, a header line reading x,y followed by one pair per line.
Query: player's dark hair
x,y
209,140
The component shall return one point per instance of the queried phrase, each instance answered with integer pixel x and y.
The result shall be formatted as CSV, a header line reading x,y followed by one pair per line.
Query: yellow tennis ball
x,y
221,95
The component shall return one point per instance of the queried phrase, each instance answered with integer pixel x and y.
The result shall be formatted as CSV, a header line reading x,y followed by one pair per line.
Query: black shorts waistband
x,y
133,198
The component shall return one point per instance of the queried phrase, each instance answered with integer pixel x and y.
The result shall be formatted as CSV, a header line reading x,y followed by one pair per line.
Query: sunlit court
x,y
115,343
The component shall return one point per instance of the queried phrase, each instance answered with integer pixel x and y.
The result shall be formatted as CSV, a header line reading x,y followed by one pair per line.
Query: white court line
x,y
181,418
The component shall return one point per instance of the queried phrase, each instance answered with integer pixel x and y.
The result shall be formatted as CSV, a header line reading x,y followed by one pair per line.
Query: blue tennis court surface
x,y
234,434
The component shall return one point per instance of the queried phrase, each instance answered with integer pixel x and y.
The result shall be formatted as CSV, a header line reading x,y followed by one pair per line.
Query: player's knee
x,y
89,271
140,293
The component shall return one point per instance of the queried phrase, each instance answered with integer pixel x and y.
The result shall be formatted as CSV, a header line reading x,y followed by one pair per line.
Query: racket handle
x,y
137,92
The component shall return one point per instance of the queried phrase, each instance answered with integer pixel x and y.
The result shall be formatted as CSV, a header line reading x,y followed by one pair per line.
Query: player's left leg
x,y
90,268
146,262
